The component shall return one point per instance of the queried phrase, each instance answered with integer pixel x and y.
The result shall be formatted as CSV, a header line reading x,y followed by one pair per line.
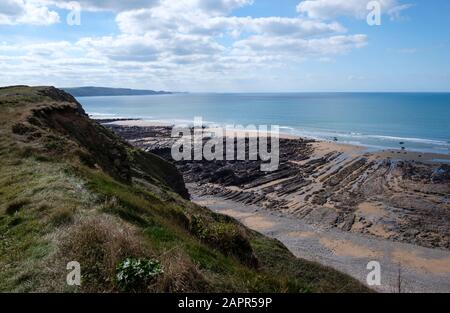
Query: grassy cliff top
x,y
70,190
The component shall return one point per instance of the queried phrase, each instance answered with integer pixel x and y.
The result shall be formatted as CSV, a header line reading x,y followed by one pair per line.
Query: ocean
x,y
420,121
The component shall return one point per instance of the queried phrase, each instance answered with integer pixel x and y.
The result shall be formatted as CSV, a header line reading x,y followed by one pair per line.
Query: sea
x,y
378,121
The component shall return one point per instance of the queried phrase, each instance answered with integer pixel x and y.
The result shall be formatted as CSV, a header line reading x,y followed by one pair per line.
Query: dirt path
x,y
422,269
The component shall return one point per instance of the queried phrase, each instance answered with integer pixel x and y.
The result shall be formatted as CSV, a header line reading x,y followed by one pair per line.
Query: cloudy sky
x,y
227,45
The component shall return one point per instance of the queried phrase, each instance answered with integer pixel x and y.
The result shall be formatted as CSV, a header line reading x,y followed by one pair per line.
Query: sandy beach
x,y
322,147
210,130
419,269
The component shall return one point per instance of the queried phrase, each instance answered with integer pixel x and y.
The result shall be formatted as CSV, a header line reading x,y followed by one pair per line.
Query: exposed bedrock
x,y
404,200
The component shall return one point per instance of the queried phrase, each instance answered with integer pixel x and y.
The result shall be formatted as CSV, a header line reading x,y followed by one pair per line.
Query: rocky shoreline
x,y
331,203
393,195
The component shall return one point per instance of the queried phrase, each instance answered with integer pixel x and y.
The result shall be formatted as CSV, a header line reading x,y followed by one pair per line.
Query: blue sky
x,y
227,45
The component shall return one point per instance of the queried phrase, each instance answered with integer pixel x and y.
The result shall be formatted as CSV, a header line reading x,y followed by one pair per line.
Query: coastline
x,y
322,145
338,204
365,121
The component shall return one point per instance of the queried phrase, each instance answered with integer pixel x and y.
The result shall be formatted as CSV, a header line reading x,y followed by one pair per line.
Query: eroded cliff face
x,y
70,189
58,122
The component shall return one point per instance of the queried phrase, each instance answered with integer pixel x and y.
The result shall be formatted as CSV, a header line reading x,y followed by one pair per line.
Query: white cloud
x,y
333,45
148,48
185,32
211,6
163,22
177,43
220,6
15,12
396,11
329,9
11,7
100,5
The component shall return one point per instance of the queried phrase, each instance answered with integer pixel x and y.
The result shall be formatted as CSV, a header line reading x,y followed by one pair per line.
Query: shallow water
x,y
421,121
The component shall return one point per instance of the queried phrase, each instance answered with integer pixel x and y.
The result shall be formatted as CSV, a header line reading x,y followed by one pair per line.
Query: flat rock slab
x,y
421,269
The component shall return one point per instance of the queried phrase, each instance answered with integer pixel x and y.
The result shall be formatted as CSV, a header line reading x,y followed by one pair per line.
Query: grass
x,y
34,203
63,198
99,243
15,206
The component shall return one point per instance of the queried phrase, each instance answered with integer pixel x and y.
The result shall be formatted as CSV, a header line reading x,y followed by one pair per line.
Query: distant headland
x,y
104,91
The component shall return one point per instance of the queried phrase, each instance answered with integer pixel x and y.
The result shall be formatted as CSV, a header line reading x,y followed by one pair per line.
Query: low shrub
x,y
180,274
99,244
62,217
134,275
227,237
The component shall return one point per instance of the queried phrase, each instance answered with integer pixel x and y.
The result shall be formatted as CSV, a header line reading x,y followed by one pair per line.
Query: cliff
x,y
71,190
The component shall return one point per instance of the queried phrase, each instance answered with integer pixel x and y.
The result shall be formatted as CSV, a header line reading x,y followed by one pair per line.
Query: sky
x,y
227,45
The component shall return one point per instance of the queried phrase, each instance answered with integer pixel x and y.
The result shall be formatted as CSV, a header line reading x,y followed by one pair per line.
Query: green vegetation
x,y
70,190
136,274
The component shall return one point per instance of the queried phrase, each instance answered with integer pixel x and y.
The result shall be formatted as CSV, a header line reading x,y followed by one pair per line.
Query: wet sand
x,y
421,269
322,147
